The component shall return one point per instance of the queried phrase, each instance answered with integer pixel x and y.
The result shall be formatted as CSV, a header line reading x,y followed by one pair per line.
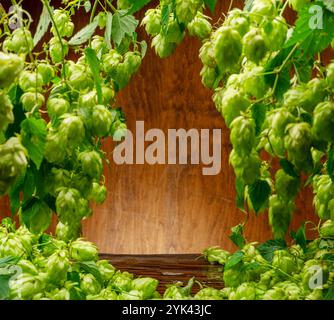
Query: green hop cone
x,y
298,142
121,281
246,167
228,48
66,232
98,193
32,101
200,27
30,81
72,130
298,5
63,23
26,266
186,10
20,41
24,287
110,61
246,291
67,205
91,163
12,245
324,193
207,54
162,47
238,21
13,163
323,121
6,111
107,271
57,266
123,4
263,9
57,107
133,61
284,262
55,151
275,33
327,230
99,45
254,46
279,119
253,83
243,134
209,294
81,250
11,66
280,215
147,286
209,76
58,50
286,186
46,71
102,120
216,255
89,284
232,104
174,34
152,21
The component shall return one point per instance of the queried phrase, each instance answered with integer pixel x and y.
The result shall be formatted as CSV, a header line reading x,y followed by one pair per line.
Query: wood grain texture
x,y
172,208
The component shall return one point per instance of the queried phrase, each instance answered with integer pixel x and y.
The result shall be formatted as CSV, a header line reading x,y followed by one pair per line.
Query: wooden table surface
x,y
169,269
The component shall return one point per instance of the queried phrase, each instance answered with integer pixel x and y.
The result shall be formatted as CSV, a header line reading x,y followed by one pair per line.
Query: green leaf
x,y
137,5
94,64
330,293
14,195
289,168
4,286
143,46
91,267
37,218
312,39
330,163
8,261
107,33
87,6
240,199
34,138
259,193
300,236
211,4
268,248
122,25
73,276
329,4
250,266
165,13
248,5
84,34
303,68
259,115
43,25
237,236
234,259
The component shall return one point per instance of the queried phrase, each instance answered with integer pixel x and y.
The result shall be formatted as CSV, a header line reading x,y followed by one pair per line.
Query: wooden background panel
x,y
172,208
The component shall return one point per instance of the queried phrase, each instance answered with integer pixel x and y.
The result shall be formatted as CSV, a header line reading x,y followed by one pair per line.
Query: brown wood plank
x,y
169,269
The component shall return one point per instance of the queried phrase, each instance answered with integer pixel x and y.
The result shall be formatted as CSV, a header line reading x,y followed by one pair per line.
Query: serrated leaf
x,y
240,199
211,4
259,193
303,68
34,138
84,34
73,276
289,168
329,4
234,259
94,64
250,266
43,25
122,25
312,39
237,236
137,5
300,236
8,261
268,248
143,46
14,195
37,218
107,32
91,267
259,115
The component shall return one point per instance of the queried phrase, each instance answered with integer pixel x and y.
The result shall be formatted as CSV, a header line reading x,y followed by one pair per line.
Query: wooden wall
x,y
172,208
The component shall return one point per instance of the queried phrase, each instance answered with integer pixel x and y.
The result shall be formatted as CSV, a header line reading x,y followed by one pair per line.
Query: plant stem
x,y
111,6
